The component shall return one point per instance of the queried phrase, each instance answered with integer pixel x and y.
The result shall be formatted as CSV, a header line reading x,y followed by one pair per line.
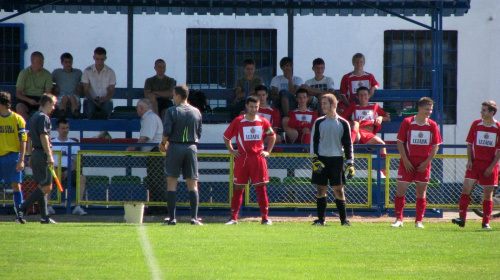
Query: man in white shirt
x,y
62,127
99,87
152,132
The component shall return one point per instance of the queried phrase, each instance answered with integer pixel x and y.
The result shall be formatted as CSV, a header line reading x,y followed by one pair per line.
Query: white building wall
x,y
335,39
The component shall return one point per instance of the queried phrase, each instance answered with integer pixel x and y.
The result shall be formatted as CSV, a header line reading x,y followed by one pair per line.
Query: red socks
x,y
420,209
487,210
236,203
306,138
399,205
263,201
463,205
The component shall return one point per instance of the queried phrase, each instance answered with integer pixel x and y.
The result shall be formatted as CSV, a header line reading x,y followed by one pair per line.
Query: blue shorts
x,y
8,173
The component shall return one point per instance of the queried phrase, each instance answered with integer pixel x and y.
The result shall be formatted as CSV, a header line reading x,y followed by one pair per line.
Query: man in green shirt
x,y
159,89
31,84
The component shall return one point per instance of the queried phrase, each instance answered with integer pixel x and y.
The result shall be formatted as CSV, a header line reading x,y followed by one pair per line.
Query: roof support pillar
x,y
290,32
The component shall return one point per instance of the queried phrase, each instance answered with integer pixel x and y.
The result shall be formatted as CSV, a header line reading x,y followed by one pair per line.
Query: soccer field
x,y
286,250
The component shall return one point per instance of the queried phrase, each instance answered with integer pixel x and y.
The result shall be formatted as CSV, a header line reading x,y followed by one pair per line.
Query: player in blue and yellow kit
x,y
12,147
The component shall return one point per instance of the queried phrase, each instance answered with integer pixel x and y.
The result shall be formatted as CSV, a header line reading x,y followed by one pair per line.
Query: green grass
x,y
249,251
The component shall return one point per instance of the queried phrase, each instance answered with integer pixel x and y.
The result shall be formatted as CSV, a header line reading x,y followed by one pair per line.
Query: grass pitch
x,y
288,250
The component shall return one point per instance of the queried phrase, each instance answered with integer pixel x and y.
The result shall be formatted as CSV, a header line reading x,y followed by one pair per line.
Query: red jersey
x,y
419,139
350,83
272,115
366,114
302,119
249,134
484,140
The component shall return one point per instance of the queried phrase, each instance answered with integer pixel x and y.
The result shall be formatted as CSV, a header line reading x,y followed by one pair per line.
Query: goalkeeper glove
x,y
349,171
317,165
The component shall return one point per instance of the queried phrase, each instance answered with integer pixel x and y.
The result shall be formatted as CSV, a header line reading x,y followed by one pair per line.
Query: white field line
x,y
148,253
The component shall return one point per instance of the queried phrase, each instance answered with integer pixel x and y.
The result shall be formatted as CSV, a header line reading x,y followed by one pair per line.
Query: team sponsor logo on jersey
x,y
358,84
252,133
419,137
366,115
6,129
486,139
304,117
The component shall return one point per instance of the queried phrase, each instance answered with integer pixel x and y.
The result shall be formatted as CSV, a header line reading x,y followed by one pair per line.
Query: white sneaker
x,y
79,211
50,210
231,222
419,225
397,223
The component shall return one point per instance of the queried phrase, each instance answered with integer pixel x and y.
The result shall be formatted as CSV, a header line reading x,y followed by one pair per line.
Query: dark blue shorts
x,y
8,173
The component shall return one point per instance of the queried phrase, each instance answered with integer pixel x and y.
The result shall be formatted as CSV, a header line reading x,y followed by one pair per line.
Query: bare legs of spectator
x,y
22,110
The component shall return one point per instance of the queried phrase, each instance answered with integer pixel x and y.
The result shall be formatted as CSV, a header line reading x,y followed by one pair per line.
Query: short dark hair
x,y
61,121
301,90
492,106
285,60
362,88
357,55
47,97
66,56
35,54
182,91
248,61
159,60
100,51
5,98
424,101
252,99
261,87
318,61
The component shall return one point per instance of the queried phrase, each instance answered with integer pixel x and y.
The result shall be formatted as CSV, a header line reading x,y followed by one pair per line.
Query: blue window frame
x,y
11,52
408,63
215,56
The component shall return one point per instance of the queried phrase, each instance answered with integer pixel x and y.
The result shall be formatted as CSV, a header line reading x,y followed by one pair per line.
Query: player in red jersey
x,y
299,122
269,112
352,81
418,143
483,146
366,119
250,158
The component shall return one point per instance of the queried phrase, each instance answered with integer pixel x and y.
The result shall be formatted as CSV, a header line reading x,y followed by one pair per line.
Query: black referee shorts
x,y
332,174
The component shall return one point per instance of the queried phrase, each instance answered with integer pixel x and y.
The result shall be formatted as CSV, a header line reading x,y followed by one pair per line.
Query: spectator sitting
x,y
31,84
159,89
355,79
366,119
318,85
68,87
299,122
267,111
250,80
99,86
283,87
62,127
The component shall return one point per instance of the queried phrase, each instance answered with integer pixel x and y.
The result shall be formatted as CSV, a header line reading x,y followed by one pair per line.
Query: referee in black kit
x,y
331,139
181,133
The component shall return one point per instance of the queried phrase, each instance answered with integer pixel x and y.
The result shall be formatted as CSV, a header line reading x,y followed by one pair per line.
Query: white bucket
x,y
134,212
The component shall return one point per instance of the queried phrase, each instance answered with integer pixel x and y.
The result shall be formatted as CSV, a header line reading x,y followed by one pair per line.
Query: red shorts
x,y
477,173
253,167
415,176
365,136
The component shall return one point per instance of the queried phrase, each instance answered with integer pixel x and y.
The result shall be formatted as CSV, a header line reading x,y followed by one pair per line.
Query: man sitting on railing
x,y
159,89
366,119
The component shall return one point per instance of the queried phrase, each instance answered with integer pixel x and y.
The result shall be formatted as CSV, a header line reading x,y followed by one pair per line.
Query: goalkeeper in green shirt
x,y
331,140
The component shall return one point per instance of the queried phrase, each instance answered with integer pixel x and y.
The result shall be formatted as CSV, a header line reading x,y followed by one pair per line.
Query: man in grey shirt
x,y
67,86
181,133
